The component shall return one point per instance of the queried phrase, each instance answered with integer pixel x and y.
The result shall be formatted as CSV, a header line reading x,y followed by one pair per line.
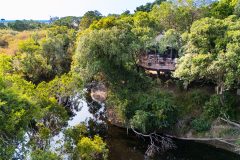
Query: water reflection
x,y
123,146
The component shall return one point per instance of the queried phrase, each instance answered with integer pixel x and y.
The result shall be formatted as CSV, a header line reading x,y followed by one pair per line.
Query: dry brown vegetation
x,y
9,40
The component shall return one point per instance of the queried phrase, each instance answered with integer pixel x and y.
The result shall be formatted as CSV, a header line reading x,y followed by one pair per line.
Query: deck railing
x,y
157,63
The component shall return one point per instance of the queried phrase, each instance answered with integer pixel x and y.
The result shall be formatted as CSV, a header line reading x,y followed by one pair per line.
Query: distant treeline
x,y
10,21
21,25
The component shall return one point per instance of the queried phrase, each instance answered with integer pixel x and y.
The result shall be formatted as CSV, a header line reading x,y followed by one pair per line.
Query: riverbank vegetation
x,y
42,65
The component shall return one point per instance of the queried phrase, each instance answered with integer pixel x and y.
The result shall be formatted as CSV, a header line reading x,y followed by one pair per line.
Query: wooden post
x,y
159,75
238,92
138,68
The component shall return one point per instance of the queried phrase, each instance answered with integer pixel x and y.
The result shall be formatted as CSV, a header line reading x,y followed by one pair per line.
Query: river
x,y
123,146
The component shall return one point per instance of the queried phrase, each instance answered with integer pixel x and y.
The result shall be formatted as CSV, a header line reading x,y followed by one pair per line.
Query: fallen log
x,y
230,122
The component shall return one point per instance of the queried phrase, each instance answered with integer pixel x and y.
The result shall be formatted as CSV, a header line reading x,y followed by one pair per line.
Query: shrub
x,y
151,112
198,97
3,43
220,106
43,155
193,101
92,149
201,125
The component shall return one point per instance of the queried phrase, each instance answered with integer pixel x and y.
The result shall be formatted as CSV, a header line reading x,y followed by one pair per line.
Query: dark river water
x,y
130,147
123,146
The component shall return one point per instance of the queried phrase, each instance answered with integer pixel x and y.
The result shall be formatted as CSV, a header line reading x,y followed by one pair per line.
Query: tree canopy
x,y
42,66
211,52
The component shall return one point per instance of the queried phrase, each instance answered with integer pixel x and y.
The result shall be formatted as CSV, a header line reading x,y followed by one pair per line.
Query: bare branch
x,y
157,144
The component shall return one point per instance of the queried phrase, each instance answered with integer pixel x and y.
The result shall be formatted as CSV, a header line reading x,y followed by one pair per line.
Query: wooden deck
x,y
156,63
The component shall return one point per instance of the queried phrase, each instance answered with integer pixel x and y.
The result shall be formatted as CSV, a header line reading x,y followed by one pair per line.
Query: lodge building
x,y
160,62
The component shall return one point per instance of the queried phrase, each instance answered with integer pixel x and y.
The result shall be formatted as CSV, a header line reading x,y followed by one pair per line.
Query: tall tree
x,y
88,18
178,16
212,53
148,7
69,21
223,8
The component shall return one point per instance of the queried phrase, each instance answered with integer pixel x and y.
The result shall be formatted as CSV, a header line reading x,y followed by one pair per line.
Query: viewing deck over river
x,y
155,62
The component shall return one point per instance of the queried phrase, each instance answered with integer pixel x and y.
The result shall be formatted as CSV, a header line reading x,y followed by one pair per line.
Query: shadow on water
x,y
130,147
197,151
123,146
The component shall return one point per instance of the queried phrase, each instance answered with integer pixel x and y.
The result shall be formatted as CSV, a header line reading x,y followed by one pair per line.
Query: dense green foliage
x,y
79,143
92,148
43,155
214,107
88,18
69,21
176,16
201,125
224,8
44,58
211,52
40,69
152,113
108,51
22,106
148,7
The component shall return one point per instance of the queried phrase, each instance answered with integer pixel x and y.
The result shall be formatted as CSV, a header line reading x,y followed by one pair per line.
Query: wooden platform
x,y
157,63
